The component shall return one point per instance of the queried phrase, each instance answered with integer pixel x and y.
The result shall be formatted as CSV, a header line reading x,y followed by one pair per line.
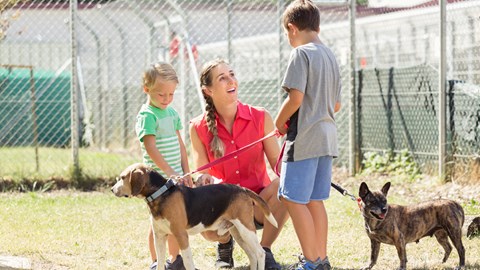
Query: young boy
x,y
163,149
312,81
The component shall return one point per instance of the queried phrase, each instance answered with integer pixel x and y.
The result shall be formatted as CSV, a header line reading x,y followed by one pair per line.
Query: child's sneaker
x,y
225,254
324,265
175,265
304,264
153,266
270,263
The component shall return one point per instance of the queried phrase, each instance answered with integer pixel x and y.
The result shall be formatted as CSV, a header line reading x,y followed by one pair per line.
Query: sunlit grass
x,y
95,230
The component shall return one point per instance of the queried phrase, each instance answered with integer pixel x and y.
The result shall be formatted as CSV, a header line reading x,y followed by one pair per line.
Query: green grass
x,y
20,163
96,230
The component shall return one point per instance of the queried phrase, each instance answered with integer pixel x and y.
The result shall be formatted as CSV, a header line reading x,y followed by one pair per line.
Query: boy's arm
x,y
200,156
289,107
338,105
183,154
184,157
152,151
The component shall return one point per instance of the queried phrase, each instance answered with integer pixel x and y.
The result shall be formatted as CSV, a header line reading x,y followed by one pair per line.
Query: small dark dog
x,y
398,225
474,228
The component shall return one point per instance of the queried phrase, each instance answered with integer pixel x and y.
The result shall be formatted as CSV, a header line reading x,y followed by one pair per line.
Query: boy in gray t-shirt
x,y
312,81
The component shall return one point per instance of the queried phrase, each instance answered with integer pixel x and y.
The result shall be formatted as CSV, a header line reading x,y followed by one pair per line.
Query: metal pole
x,y
229,30
280,55
354,154
186,38
34,118
73,89
99,91
123,41
441,94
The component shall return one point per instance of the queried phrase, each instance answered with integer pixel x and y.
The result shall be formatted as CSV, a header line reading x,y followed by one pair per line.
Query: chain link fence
x,y
396,60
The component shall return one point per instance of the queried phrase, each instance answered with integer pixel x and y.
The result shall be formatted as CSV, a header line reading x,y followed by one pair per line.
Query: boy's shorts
x,y
306,180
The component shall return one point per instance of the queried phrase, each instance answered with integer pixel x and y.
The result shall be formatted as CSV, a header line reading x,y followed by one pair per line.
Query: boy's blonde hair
x,y
304,14
161,70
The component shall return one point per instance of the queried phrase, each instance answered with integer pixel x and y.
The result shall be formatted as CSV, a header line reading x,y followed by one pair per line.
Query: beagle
x,y
183,211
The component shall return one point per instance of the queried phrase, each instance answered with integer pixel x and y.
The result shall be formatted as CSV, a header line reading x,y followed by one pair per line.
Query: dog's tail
x,y
263,205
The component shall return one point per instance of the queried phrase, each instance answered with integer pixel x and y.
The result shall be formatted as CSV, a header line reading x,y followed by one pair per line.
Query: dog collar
x,y
161,190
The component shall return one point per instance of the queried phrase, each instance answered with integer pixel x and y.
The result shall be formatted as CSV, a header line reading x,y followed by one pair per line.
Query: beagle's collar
x,y
160,191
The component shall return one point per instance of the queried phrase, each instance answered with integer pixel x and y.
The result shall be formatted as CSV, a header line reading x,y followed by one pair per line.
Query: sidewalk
x,y
11,263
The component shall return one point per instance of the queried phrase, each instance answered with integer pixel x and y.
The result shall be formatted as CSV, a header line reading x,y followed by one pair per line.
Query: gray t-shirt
x,y
313,70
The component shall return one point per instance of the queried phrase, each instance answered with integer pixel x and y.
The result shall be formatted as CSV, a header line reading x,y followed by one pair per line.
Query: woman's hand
x,y
203,180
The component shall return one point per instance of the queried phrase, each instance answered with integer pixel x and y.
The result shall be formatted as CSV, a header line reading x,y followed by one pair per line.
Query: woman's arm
x,y
270,145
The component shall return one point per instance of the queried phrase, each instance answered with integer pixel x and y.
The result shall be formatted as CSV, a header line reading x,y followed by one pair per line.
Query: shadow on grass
x,y
475,266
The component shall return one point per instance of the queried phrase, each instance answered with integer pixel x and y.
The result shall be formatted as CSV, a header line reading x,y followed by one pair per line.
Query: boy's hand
x,y
204,179
185,181
282,129
278,133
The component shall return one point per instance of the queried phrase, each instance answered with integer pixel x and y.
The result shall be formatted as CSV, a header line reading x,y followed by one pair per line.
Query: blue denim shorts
x,y
306,180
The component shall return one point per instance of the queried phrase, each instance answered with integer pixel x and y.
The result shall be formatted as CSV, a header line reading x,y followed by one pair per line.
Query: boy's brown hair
x,y
303,14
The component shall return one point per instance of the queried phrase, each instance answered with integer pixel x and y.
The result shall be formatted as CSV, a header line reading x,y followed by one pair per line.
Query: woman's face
x,y
224,87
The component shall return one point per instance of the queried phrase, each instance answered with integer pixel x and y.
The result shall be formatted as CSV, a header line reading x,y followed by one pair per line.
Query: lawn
x,y
20,164
96,230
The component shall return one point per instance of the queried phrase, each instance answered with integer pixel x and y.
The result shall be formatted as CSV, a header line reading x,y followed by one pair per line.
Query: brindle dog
x,y
474,228
398,225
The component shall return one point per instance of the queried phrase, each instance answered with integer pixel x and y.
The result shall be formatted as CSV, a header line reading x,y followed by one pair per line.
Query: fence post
x,y
441,94
73,89
229,31
280,8
353,155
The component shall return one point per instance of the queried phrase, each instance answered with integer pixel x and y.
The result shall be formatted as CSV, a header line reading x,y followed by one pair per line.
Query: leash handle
x,y
343,191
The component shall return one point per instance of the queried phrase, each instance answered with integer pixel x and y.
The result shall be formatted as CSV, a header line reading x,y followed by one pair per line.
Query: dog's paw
x,y
366,268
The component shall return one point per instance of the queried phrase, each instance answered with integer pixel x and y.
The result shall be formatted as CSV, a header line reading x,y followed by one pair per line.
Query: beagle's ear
x,y
137,181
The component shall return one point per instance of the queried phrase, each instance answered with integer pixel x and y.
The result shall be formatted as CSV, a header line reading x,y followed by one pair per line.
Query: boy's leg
x,y
173,248
320,221
297,183
321,192
151,245
304,228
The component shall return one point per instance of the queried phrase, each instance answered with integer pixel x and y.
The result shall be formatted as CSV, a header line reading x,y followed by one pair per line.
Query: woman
x,y
226,126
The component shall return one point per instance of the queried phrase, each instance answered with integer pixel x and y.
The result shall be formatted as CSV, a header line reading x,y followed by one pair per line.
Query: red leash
x,y
232,154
